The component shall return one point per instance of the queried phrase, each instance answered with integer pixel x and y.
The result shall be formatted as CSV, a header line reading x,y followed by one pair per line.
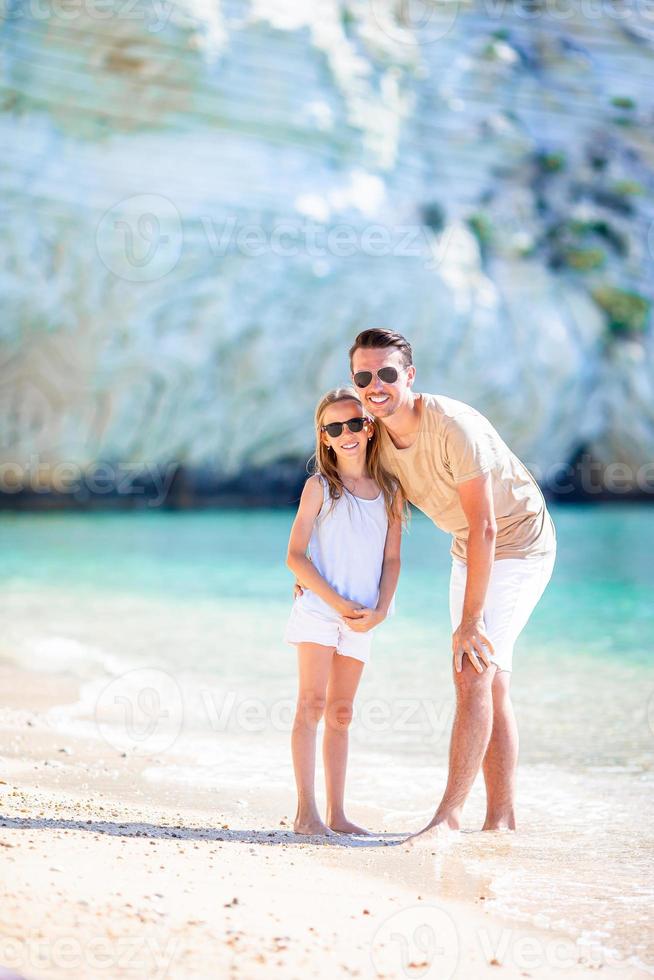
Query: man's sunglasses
x,y
388,375
334,429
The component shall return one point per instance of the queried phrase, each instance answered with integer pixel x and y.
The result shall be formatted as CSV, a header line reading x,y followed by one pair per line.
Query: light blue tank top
x,y
347,547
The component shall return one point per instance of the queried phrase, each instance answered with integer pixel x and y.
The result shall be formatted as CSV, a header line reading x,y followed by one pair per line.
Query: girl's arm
x,y
296,557
389,576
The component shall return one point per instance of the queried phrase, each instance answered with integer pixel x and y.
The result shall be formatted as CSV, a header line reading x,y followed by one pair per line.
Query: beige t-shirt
x,y
455,443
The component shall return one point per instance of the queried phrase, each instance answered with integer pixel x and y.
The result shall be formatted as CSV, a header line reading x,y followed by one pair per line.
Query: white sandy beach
x,y
106,875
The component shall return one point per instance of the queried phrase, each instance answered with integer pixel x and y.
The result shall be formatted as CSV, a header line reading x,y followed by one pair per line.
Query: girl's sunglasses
x,y
334,429
388,375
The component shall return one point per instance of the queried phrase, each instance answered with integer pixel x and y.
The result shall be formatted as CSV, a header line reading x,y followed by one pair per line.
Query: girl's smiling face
x,y
348,444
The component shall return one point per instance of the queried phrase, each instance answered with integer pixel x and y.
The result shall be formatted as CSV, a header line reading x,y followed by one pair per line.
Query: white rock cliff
x,y
204,203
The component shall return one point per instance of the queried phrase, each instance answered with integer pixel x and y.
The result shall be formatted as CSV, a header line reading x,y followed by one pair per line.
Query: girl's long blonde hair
x,y
323,461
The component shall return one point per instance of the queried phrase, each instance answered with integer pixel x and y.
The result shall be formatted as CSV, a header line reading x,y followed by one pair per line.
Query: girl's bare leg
x,y
314,663
343,682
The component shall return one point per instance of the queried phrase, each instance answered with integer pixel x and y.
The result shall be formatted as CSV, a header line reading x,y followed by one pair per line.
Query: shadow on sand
x,y
159,831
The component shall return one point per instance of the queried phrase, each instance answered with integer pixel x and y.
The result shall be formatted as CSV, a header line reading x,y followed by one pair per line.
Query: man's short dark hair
x,y
379,337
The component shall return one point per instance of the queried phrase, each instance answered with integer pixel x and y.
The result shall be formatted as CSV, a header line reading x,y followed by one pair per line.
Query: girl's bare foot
x,y
344,826
312,827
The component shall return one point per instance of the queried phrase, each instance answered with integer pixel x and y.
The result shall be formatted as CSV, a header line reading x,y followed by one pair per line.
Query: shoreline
x,y
259,499
112,486
115,875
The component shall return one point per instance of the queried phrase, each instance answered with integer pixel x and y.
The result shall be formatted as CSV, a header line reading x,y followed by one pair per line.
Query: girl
x,y
350,517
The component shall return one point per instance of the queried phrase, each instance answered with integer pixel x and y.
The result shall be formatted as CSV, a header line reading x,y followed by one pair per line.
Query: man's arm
x,y
477,502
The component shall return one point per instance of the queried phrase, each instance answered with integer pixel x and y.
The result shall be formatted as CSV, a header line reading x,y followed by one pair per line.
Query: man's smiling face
x,y
380,398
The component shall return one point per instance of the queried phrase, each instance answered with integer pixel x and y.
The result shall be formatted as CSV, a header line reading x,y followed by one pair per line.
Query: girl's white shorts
x,y
515,586
313,626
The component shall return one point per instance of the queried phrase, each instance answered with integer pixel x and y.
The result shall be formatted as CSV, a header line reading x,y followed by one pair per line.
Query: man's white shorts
x,y
515,586
313,626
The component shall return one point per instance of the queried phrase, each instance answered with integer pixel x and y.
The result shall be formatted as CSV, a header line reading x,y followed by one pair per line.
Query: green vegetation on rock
x,y
482,229
628,187
600,228
623,102
626,312
550,163
584,259
577,244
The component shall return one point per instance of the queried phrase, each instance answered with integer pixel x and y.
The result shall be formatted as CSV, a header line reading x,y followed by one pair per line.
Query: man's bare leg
x,y
471,732
501,759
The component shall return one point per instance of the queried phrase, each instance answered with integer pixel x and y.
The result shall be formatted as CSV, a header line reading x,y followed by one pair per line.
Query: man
x,y
454,466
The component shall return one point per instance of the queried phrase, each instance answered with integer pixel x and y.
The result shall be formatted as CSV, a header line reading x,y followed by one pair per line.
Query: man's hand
x,y
470,638
298,589
349,610
365,619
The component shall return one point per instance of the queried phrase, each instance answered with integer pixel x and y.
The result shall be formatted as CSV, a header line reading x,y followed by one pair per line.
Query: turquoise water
x,y
208,593
604,569
599,599
200,601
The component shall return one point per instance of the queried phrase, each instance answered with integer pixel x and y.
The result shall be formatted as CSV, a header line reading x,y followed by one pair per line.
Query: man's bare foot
x,y
311,828
347,827
505,822
433,834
